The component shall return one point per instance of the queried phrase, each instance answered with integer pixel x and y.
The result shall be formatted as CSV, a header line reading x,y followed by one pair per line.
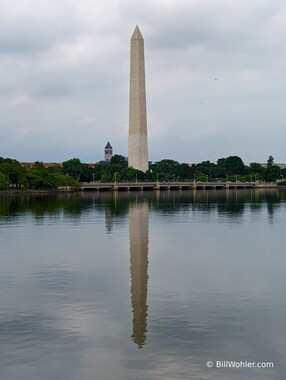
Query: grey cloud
x,y
27,30
221,24
81,70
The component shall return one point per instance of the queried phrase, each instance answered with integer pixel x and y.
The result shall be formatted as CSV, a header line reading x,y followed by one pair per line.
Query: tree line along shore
x,y
71,173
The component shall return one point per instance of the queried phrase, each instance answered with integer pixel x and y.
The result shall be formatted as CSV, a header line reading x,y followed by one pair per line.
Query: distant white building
x,y
281,166
108,152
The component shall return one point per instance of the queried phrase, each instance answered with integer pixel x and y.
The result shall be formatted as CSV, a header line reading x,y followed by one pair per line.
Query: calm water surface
x,y
142,286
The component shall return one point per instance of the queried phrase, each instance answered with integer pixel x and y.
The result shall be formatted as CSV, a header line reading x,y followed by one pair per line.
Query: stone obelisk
x,y
138,143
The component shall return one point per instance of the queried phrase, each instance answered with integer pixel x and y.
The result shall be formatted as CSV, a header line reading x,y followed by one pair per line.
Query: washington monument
x,y
138,144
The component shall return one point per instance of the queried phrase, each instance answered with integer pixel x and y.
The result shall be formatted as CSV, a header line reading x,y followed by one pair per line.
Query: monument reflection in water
x,y
138,233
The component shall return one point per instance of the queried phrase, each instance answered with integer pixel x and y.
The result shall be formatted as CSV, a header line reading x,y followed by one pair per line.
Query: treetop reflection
x,y
116,205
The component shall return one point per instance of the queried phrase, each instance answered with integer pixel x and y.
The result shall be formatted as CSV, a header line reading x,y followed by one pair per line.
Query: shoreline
x,y
106,190
31,191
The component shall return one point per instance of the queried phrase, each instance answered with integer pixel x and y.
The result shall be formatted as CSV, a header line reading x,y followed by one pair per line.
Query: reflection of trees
x,y
41,205
231,209
116,205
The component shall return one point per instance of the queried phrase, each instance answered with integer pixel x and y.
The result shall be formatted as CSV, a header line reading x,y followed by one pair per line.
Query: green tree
x,y
186,172
64,180
270,161
232,165
255,171
254,167
4,181
40,177
14,171
74,168
96,171
130,174
166,169
207,168
86,174
119,160
35,180
273,173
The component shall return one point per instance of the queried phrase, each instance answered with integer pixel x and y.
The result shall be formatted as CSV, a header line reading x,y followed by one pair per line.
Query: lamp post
x,y
136,177
173,177
157,177
93,178
194,178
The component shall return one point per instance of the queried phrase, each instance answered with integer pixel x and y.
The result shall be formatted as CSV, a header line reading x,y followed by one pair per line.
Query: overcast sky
x,y
215,73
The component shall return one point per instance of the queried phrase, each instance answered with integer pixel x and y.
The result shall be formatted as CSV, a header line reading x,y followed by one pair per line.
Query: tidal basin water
x,y
142,285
